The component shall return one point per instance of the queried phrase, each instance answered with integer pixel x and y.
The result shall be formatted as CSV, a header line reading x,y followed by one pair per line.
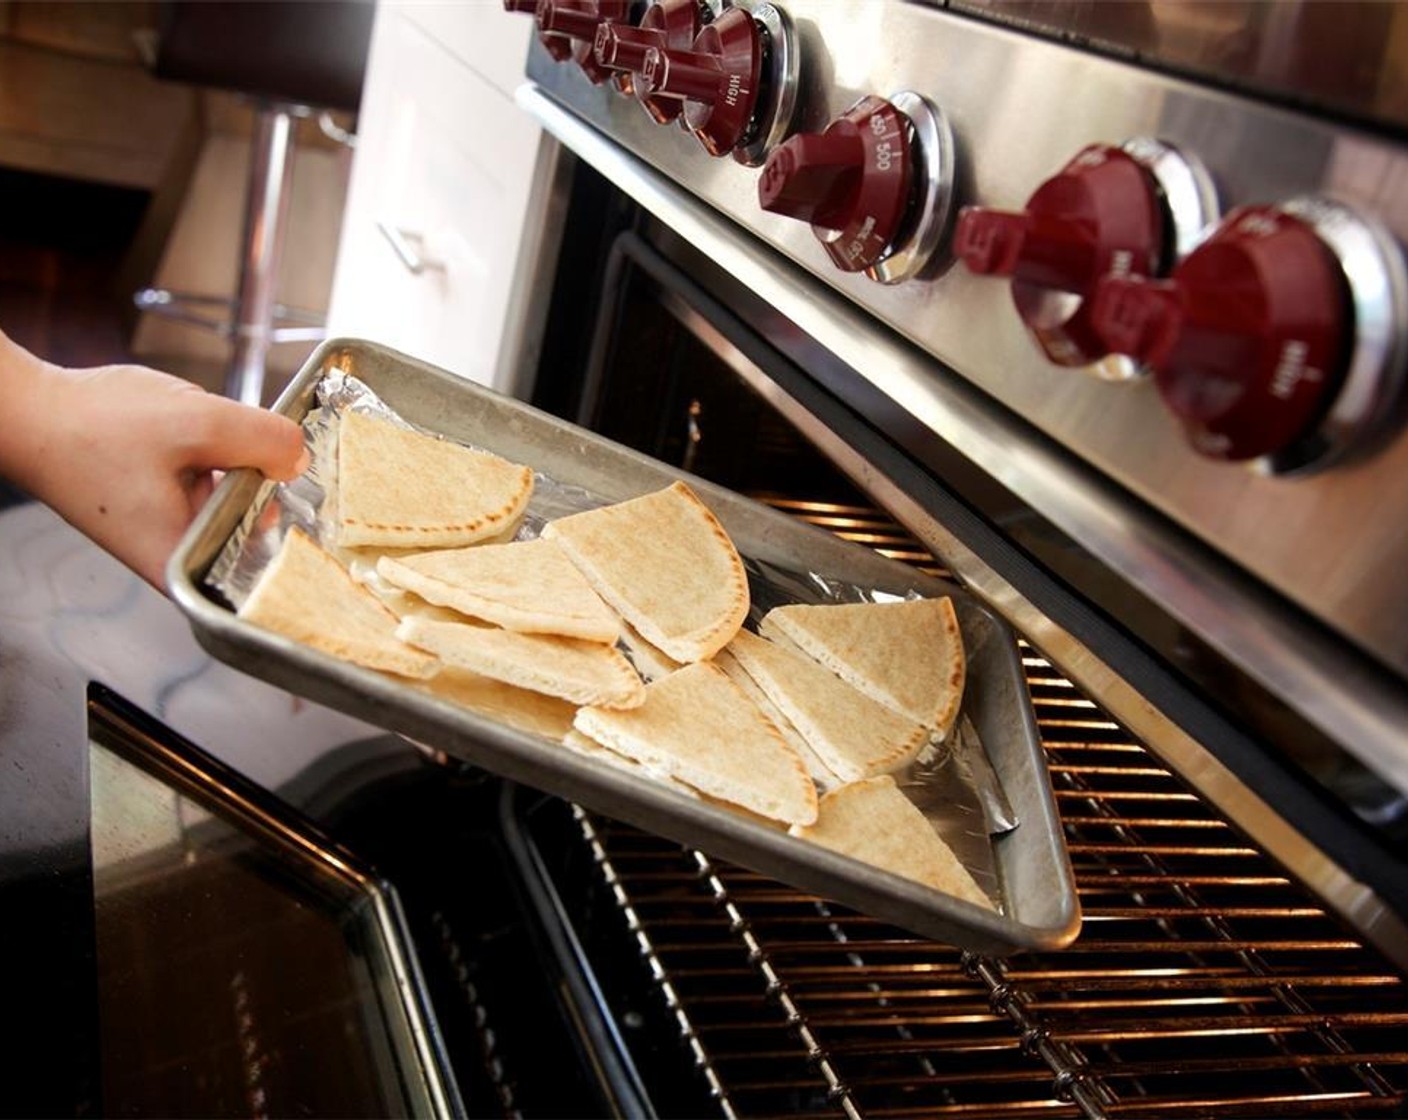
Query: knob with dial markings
x,y
850,182
1279,340
737,81
1110,210
717,80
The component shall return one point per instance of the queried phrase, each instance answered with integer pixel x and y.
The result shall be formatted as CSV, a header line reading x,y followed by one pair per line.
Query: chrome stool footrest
x,y
217,314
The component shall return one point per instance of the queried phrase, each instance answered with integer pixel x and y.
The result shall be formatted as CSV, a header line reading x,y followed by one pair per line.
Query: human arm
x,y
126,454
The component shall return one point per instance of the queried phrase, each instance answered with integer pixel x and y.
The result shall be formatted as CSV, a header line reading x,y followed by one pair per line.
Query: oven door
x,y
242,954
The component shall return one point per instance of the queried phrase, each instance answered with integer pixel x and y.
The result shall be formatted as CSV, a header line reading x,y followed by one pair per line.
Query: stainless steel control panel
x,y
1322,526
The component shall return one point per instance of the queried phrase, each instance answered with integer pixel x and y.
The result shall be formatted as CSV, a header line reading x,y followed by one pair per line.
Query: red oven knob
x,y
567,28
1278,340
672,24
851,182
1106,212
717,79
737,81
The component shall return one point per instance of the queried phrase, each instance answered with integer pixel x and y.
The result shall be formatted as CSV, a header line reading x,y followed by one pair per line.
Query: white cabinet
x,y
440,186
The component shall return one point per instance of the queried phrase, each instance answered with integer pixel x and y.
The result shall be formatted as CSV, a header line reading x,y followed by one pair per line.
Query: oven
x,y
242,902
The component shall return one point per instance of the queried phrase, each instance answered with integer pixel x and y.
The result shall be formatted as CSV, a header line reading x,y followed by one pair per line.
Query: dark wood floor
x,y
63,245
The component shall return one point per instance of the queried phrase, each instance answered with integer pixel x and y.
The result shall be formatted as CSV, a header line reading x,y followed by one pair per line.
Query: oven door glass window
x,y
245,965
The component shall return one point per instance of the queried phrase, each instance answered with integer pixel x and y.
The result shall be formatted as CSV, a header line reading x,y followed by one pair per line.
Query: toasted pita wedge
x,y
306,595
698,727
399,488
666,564
574,740
855,736
873,821
907,655
520,708
819,771
588,747
528,586
582,672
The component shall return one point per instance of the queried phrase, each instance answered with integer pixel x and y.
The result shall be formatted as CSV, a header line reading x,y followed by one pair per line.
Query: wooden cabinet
x,y
440,186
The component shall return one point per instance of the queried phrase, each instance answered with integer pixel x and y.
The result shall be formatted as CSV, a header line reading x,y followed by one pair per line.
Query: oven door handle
x,y
410,255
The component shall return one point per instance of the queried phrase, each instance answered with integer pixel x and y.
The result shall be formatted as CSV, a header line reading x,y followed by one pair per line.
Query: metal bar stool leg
x,y
265,225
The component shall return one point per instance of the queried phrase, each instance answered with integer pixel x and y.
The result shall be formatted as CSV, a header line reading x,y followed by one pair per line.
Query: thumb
x,y
241,435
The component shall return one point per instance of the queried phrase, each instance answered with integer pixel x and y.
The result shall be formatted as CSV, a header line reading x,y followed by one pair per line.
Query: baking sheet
x,y
967,791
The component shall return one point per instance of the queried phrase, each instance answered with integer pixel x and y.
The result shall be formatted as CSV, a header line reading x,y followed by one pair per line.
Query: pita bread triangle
x,y
818,770
908,655
873,821
666,564
399,488
698,727
855,736
306,595
527,585
582,672
588,747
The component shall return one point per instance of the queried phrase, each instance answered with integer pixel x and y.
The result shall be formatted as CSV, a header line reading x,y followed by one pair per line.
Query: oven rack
x,y
1205,981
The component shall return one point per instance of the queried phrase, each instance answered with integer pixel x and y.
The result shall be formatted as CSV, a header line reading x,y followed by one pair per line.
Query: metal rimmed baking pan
x,y
1040,909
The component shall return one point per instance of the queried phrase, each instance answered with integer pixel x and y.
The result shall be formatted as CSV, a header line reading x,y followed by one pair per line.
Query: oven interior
x,y
1206,981
579,966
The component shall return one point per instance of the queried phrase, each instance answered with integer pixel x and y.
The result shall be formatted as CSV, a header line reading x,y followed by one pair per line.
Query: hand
x,y
128,455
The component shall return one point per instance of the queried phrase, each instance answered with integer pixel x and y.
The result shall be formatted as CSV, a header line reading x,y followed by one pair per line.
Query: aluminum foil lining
x,y
952,782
